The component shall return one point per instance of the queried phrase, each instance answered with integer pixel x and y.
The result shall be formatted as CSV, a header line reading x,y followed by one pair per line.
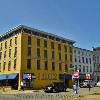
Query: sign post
x,y
76,77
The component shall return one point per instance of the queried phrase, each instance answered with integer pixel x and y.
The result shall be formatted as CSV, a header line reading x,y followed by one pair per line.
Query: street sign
x,y
29,76
76,74
71,68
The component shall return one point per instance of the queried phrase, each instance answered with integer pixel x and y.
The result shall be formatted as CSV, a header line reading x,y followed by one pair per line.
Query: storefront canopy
x,y
3,77
12,76
8,76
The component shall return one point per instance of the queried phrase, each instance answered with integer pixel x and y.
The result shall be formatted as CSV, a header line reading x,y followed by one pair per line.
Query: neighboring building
x,y
83,61
96,59
34,56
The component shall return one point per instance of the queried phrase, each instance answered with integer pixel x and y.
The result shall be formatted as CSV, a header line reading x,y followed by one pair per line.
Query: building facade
x,y
96,59
35,57
83,61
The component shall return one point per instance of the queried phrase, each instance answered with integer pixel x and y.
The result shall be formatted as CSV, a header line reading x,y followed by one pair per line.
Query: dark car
x,y
55,87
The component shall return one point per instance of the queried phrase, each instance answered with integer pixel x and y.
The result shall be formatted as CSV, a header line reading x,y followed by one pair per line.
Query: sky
x,y
78,20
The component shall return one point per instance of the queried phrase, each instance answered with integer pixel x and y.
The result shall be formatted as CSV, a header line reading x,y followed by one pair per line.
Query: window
x,y
97,58
10,42
86,53
60,67
15,64
82,53
59,47
38,42
6,45
53,56
94,67
15,53
38,64
65,57
70,58
75,59
52,45
29,51
94,57
75,51
16,40
90,60
29,64
45,44
87,68
90,68
75,67
4,65
66,67
9,65
79,68
70,49
86,60
0,67
83,59
78,52
1,47
29,40
83,68
38,52
53,66
59,55
9,53
65,47
79,59
5,55
46,65
45,54
0,55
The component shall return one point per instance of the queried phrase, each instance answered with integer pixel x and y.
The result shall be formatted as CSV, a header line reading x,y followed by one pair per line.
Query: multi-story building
x,y
83,61
35,57
96,59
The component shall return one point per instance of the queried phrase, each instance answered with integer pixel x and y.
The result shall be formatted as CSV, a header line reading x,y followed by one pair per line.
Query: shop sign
x,y
88,77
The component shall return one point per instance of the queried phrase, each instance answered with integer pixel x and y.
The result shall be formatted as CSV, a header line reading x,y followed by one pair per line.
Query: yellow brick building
x,y
30,53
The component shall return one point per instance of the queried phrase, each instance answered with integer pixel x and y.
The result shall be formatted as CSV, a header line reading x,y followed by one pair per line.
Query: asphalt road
x,y
40,95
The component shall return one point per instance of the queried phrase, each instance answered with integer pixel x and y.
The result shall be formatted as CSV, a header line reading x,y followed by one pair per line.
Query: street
x,y
40,95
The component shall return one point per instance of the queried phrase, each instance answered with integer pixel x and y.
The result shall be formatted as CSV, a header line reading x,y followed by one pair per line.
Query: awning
x,y
3,77
12,76
8,76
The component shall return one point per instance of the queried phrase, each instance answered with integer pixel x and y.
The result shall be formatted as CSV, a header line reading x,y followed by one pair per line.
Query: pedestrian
x,y
22,86
75,89
89,86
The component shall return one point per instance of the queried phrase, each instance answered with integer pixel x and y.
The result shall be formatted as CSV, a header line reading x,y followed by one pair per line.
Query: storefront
x,y
85,76
27,78
9,80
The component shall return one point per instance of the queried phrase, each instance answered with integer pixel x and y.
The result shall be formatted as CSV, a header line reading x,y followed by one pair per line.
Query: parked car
x,y
55,87
86,82
98,84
